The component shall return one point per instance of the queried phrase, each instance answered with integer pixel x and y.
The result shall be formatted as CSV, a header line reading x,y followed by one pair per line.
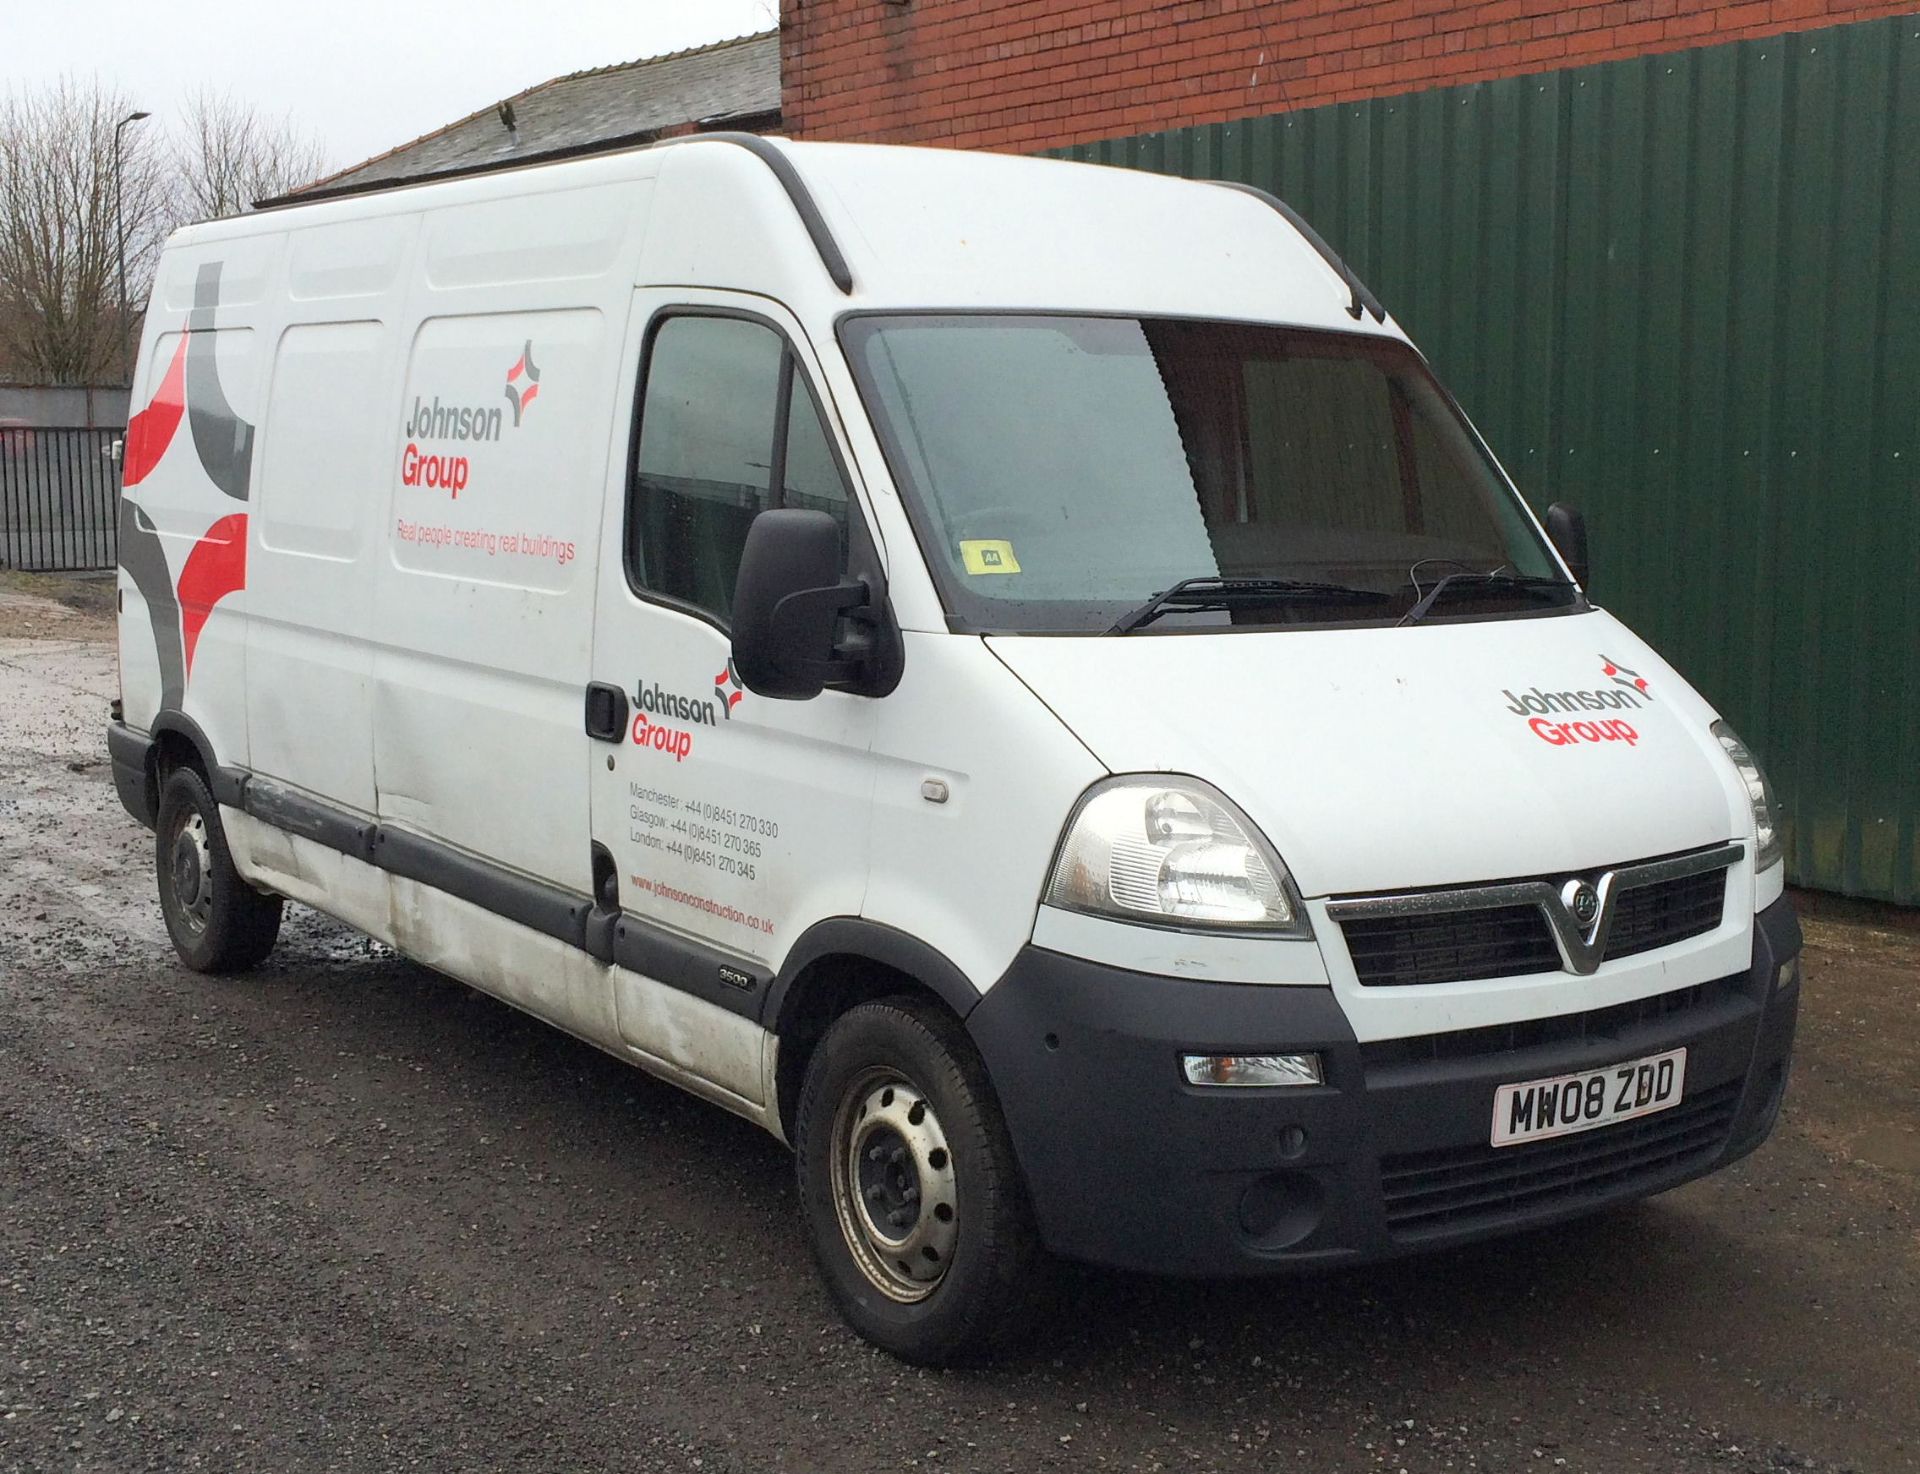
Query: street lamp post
x,y
120,234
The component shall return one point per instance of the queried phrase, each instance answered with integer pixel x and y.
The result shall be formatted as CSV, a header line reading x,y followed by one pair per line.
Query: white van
x,y
1011,675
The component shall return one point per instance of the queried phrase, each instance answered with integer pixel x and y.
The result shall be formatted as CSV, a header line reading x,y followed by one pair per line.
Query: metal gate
x,y
59,498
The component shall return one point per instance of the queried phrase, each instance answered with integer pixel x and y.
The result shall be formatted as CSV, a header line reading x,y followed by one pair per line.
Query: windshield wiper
x,y
1496,578
1207,593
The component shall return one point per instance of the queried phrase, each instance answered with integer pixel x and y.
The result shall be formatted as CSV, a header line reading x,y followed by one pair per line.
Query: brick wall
x,y
1023,75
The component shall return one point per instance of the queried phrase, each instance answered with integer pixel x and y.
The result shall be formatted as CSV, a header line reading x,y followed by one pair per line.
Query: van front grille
x,y
1456,1188
1650,916
1445,946
1396,951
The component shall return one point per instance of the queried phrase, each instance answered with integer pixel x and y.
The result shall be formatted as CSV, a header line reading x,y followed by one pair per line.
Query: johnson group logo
x,y
1621,676
1626,691
523,383
727,689
431,420
665,720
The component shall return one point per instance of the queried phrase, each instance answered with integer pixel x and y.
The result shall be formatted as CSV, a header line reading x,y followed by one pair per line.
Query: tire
x,y
915,1208
217,921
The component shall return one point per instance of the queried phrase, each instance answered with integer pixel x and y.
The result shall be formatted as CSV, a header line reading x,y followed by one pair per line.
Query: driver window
x,y
812,478
728,428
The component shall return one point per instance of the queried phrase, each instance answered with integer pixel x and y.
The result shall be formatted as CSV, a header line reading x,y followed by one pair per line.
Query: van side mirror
x,y
799,626
1568,529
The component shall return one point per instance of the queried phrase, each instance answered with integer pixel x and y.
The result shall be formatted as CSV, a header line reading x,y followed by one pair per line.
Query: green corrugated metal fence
x,y
1683,293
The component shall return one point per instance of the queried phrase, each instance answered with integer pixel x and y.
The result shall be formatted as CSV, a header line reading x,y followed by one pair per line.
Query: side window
x,y
812,477
706,452
728,428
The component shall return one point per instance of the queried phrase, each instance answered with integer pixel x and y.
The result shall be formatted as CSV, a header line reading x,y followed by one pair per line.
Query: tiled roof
x,y
738,79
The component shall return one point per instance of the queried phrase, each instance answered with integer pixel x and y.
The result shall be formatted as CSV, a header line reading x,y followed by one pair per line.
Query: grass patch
x,y
89,593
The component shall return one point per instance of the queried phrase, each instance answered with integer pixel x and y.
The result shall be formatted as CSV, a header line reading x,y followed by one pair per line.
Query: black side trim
x,y
1777,930
1363,300
229,786
767,152
599,929
855,937
226,784
533,903
272,804
716,977
130,754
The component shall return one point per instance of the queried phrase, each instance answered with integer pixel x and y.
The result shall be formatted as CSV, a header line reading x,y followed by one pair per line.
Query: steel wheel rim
x,y
190,872
893,1185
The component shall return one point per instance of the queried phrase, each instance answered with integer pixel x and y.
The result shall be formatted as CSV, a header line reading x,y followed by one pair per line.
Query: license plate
x,y
1534,1110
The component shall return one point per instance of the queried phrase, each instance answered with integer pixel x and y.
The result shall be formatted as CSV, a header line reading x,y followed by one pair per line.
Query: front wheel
x,y
914,1204
217,921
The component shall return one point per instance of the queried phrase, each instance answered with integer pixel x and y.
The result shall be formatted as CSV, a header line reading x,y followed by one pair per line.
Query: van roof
x,y
929,228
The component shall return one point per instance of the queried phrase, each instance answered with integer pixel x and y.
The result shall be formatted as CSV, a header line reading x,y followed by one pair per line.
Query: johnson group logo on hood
x,y
1627,691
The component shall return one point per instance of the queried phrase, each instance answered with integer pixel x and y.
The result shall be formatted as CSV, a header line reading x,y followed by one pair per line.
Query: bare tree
x,y
227,156
60,234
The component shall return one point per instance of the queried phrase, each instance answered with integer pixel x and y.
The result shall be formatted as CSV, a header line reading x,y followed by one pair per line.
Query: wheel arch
x,y
179,740
838,964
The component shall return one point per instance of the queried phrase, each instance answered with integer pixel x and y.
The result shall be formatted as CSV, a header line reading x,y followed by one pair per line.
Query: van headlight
x,y
1172,851
1766,823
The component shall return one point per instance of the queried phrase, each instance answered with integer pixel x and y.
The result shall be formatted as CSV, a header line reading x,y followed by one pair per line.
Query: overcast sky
x,y
363,75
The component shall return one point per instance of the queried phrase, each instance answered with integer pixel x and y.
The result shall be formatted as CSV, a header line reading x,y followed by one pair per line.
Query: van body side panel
x,y
188,470
689,1042
492,502
324,449
965,875
324,444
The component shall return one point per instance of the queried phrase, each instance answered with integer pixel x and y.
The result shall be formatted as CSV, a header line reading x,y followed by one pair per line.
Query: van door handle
x,y
606,712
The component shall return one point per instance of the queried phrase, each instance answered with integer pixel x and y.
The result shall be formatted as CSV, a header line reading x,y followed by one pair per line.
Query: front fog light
x,y
1172,851
1788,975
1251,1069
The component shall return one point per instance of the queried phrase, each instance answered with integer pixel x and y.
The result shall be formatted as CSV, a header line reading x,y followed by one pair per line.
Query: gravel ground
x,y
345,1214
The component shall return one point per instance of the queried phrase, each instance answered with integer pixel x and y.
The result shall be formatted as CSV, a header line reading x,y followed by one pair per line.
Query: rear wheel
x,y
217,921
914,1204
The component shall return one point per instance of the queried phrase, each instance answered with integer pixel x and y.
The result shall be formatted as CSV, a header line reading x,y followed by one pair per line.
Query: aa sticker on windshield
x,y
988,555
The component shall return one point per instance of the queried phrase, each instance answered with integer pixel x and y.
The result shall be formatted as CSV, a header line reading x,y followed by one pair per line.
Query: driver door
x,y
724,823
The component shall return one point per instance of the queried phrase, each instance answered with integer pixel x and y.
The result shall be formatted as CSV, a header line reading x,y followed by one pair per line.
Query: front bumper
x,y
1129,1166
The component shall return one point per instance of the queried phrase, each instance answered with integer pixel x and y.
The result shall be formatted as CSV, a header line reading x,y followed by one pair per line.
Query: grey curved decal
x,y
146,563
222,439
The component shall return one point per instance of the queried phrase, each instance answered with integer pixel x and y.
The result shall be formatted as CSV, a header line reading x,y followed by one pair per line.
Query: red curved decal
x,y
150,432
216,567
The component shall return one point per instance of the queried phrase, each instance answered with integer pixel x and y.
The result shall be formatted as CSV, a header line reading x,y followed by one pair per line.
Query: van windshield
x,y
1062,471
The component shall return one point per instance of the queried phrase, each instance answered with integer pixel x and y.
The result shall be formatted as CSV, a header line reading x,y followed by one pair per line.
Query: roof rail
x,y
1363,300
761,148
776,159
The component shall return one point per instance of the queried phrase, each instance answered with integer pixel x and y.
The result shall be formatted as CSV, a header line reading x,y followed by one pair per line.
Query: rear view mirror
x,y
799,626
1568,529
